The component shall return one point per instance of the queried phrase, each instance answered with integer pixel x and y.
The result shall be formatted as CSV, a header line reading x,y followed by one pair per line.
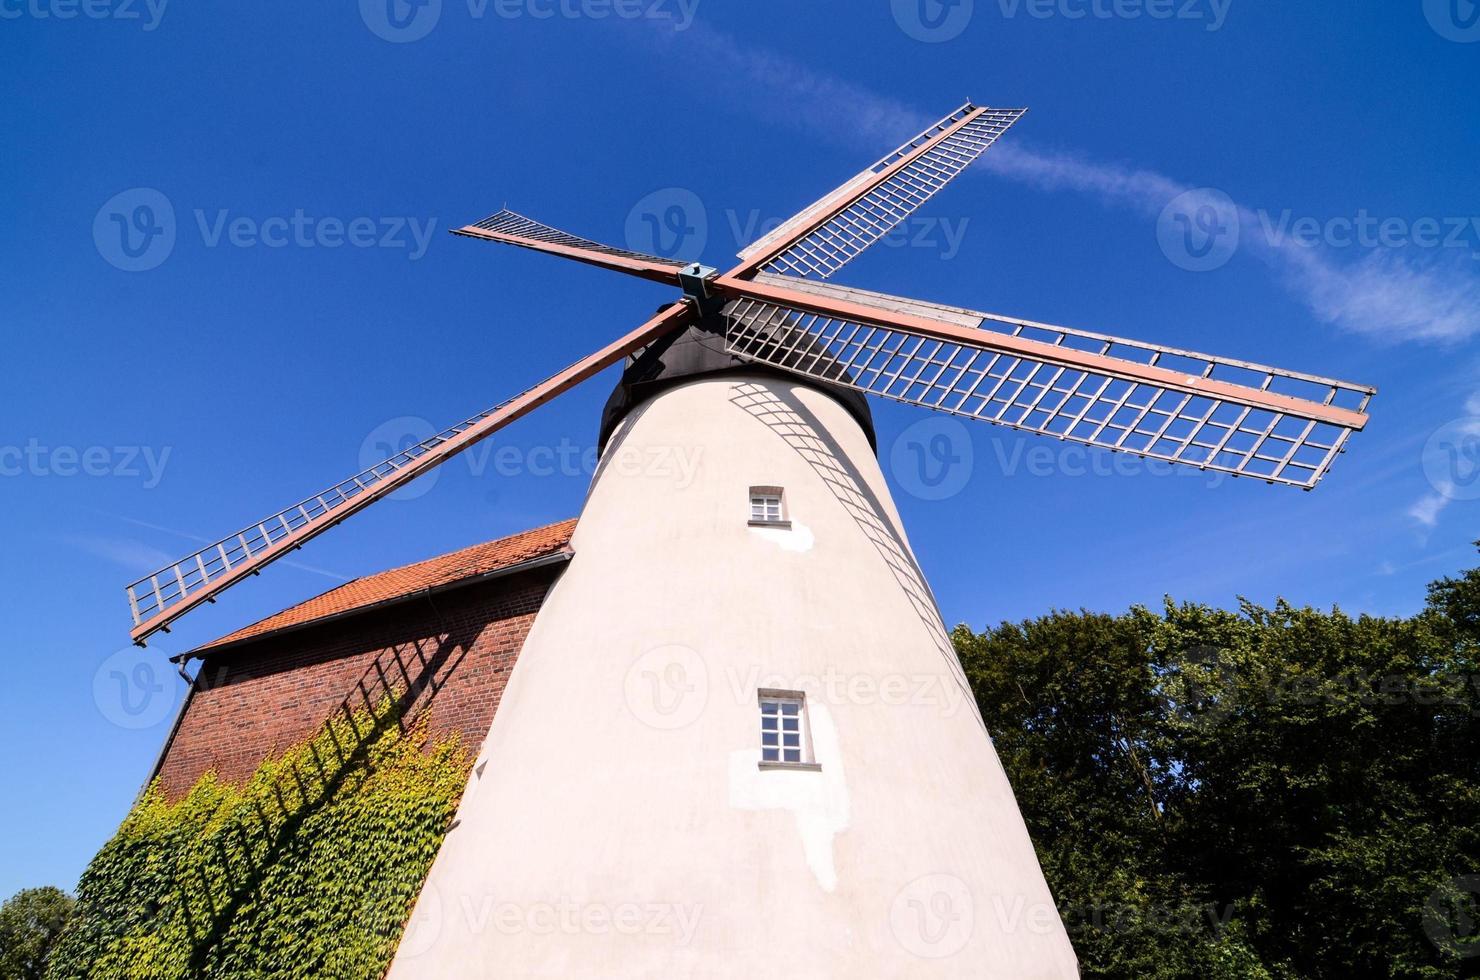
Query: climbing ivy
x,y
307,869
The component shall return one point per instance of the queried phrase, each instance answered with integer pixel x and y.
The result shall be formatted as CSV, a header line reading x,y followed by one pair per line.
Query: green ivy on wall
x,y
308,869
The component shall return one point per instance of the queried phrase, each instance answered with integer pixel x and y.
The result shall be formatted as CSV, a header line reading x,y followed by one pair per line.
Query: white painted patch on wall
x,y
798,537
818,800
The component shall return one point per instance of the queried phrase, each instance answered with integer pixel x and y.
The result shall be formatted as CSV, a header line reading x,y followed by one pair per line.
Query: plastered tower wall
x,y
618,823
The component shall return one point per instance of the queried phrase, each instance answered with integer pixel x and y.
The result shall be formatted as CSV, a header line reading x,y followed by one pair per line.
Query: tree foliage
x,y
1273,792
30,921
308,869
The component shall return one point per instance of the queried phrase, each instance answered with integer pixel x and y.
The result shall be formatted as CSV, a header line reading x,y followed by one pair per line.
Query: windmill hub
x,y
696,281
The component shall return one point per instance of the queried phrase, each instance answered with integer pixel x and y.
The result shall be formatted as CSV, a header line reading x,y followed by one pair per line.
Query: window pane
x,y
793,755
768,707
765,507
792,738
768,738
768,723
769,755
789,707
790,724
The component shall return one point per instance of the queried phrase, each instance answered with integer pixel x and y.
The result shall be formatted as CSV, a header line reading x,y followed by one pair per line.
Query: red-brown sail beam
x,y
515,229
841,309
159,599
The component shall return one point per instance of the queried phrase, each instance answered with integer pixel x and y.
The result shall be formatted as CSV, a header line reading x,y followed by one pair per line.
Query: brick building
x,y
440,636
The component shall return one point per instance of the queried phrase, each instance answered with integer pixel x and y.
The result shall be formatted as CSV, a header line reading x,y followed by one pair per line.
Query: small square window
x,y
785,740
767,507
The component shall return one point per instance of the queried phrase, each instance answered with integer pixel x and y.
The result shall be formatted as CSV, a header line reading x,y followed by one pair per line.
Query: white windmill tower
x,y
737,741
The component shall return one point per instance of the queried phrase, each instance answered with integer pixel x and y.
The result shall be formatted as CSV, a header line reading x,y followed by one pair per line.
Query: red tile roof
x,y
480,559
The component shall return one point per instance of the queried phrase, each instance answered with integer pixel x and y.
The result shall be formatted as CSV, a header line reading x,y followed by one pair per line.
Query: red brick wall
x,y
452,652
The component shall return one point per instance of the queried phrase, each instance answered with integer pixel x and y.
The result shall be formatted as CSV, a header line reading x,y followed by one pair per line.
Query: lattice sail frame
x,y
514,225
1099,407
149,595
1099,390
866,208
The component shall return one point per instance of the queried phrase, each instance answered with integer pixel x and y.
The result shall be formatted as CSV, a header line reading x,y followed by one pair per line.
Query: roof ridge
x,y
383,586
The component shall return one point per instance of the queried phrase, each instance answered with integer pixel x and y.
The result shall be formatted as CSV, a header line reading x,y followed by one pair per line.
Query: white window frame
x,y
768,507
784,720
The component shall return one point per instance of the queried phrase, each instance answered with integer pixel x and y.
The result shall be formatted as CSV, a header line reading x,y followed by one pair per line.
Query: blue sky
x,y
289,172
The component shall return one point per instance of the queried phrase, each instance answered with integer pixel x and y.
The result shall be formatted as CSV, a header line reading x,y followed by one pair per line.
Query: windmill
x,y
818,833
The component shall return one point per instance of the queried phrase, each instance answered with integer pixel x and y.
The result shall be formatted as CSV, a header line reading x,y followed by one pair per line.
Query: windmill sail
x,y
830,233
1175,405
512,228
157,600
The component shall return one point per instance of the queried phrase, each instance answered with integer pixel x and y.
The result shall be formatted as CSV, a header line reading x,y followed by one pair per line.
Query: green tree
x,y
1271,792
30,921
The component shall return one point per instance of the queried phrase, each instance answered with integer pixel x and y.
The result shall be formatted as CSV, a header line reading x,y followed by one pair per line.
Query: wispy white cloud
x,y
1427,508
1385,295
129,554
165,559
1449,476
